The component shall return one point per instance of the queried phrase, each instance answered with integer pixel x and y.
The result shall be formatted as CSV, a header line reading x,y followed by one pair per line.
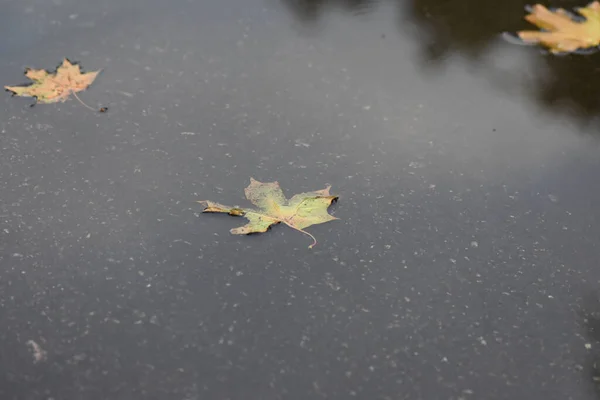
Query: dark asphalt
x,y
464,266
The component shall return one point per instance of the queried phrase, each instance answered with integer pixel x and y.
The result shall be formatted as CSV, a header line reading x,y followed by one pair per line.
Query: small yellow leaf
x,y
561,31
53,87
299,212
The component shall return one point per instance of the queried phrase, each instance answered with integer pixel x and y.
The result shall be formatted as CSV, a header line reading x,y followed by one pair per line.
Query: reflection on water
x,y
567,85
571,84
590,315
311,10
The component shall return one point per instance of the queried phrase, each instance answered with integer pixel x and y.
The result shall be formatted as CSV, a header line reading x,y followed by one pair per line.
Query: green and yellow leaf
x,y
299,212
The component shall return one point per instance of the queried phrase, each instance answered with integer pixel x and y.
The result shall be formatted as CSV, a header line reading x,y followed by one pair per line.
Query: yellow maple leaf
x,y
562,32
54,87
299,212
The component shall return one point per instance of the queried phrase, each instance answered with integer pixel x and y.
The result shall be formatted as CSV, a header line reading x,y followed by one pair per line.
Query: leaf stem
x,y
314,243
81,101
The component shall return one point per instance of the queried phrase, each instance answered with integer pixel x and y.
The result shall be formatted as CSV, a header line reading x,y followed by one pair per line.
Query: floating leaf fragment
x,y
52,87
561,31
299,212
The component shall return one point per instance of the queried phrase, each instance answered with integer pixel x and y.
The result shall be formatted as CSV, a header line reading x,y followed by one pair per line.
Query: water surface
x,y
464,264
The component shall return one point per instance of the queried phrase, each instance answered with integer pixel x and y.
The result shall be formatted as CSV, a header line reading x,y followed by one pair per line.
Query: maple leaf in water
x,y
561,31
299,212
50,87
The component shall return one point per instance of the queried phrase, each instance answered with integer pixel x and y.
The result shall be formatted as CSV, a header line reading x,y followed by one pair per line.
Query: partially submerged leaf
x,y
299,212
561,31
54,87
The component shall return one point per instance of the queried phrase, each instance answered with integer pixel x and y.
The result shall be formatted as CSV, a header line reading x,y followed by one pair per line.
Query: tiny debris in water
x,y
39,354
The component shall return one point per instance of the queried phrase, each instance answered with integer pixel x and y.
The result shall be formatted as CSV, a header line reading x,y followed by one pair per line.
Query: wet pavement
x,y
465,261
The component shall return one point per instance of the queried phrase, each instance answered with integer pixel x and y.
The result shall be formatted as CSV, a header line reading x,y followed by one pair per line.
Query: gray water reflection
x,y
311,10
467,237
566,85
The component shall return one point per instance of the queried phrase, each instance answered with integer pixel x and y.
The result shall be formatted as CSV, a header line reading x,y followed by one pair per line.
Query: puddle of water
x,y
466,169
